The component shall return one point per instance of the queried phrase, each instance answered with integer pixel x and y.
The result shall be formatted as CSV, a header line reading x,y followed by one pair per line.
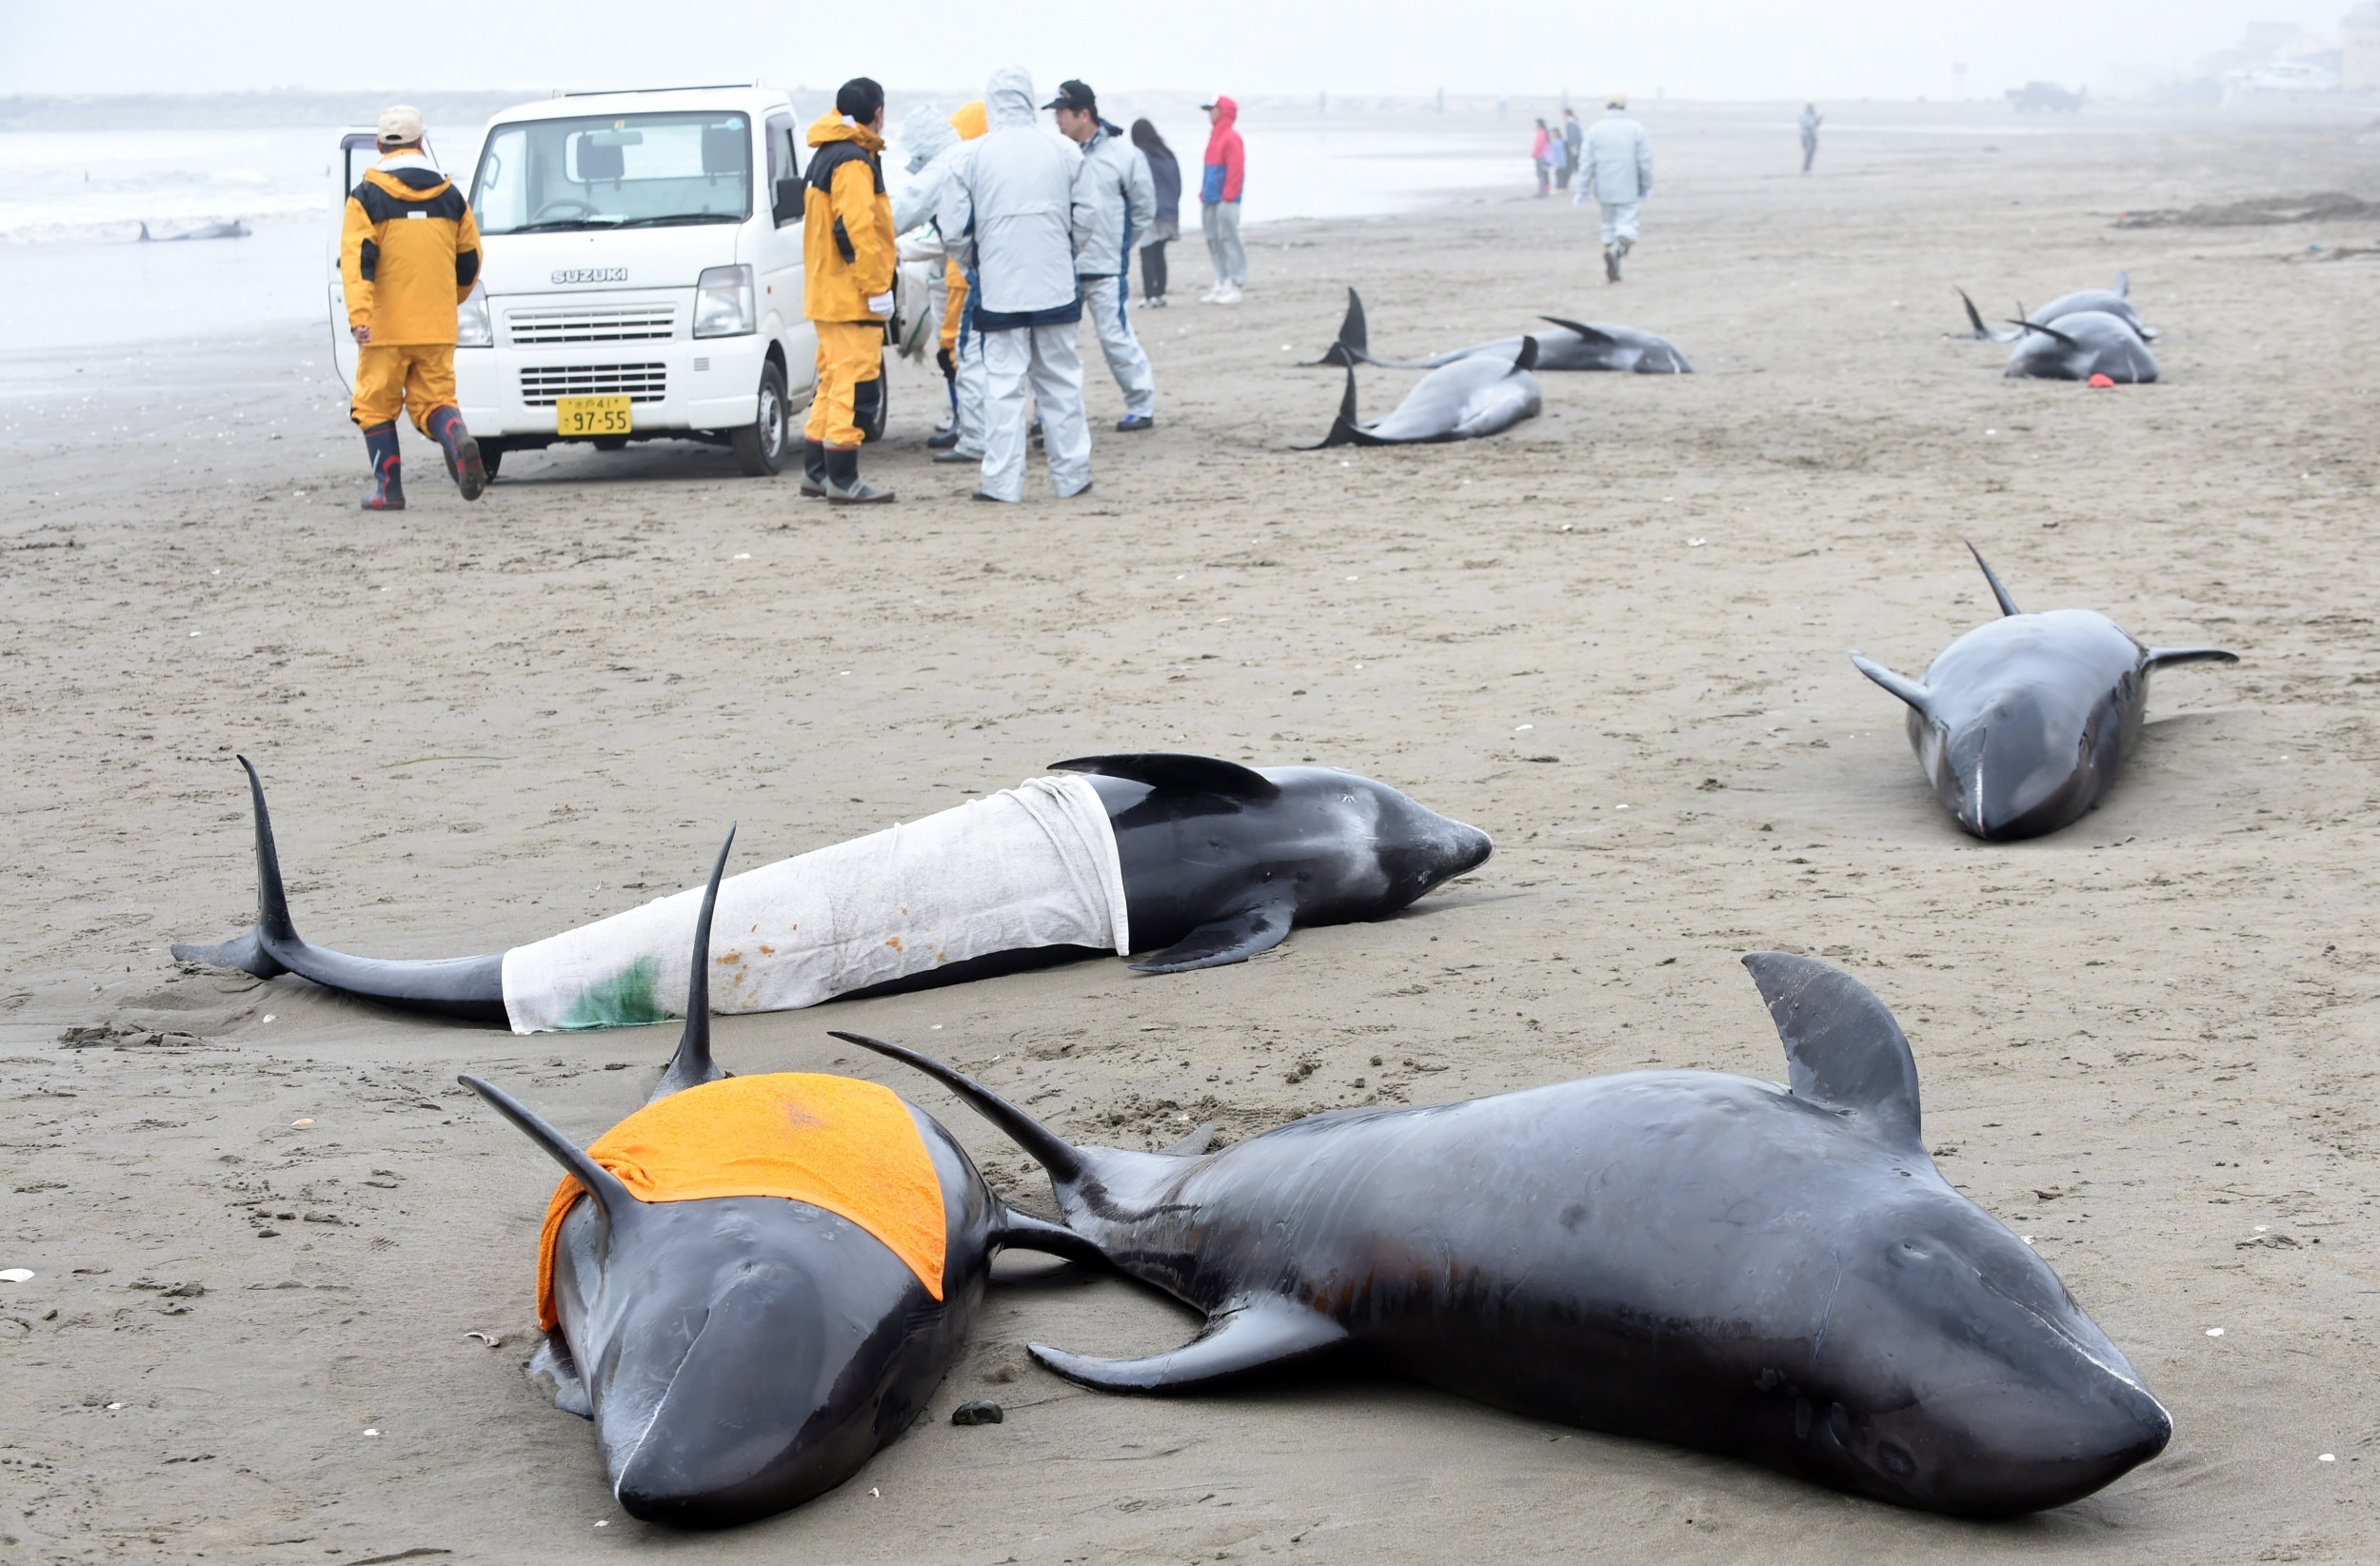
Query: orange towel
x,y
836,1142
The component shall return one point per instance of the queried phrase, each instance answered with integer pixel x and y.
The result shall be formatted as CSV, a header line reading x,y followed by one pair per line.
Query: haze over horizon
x,y
1717,49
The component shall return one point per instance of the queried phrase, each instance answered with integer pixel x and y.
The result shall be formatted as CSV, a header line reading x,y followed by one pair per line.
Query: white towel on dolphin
x,y
1033,865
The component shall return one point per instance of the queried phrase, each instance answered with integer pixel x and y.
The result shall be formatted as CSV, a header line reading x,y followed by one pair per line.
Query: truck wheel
x,y
760,446
870,404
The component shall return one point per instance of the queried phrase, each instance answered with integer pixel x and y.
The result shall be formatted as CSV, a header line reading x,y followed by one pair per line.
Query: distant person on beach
x,y
1113,203
1219,203
1540,157
1165,178
1574,137
848,257
1618,174
1008,216
409,254
1811,120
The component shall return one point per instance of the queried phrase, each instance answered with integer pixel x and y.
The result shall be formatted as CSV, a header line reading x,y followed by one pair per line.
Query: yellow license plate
x,y
591,416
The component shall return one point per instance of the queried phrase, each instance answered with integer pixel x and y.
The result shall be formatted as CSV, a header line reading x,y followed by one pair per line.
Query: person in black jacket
x,y
1166,174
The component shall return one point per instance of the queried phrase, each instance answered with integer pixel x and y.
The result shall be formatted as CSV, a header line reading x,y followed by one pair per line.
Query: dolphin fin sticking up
x,y
1354,340
1250,932
1843,1047
2008,605
1256,1334
1344,430
1527,358
2046,331
613,1199
1981,332
692,1065
1190,774
1065,1162
2123,285
1585,331
1899,684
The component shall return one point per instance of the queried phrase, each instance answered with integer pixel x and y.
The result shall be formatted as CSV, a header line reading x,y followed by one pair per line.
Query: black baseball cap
x,y
1076,97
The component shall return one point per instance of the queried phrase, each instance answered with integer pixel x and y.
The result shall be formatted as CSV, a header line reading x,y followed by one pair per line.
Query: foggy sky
x,y
1721,49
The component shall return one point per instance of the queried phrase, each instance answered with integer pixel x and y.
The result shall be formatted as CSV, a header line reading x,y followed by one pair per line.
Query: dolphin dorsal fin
x,y
1842,1045
1591,334
1188,774
2123,285
616,1199
692,1065
1899,684
2008,605
1065,1162
1527,358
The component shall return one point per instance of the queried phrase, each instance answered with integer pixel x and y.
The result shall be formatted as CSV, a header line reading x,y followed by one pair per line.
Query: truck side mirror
x,y
789,207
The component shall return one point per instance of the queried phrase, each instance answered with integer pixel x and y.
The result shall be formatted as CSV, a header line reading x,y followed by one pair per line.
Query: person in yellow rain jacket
x,y
848,259
409,255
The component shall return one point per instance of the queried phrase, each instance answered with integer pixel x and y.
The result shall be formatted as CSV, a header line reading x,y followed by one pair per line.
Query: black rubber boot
x,y
814,469
843,485
388,471
462,461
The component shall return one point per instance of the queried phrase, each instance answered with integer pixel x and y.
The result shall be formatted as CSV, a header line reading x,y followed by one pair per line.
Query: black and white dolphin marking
x,y
2022,724
1460,401
1773,1272
1571,346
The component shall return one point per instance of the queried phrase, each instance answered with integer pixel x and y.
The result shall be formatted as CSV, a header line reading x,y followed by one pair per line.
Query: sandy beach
x,y
264,1220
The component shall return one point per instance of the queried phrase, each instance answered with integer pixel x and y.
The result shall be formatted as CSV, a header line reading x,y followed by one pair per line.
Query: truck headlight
x,y
722,302
474,328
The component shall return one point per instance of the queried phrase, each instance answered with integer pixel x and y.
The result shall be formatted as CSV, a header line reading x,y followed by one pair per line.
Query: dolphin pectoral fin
x,y
1063,1161
2008,605
1193,1144
2165,657
615,1199
1223,940
553,1369
1899,684
692,1064
1187,774
1844,1048
1022,1232
1254,1336
1585,331
2046,331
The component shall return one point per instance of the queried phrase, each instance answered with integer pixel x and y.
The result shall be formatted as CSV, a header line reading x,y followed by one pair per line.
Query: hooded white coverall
x,y
935,150
1007,212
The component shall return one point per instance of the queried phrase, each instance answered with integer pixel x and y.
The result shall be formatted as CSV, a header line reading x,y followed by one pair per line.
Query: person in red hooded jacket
x,y
1219,203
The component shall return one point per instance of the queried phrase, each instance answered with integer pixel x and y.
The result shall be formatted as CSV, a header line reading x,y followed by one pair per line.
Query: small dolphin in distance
x,y
1775,1273
2023,724
1571,346
1460,401
233,230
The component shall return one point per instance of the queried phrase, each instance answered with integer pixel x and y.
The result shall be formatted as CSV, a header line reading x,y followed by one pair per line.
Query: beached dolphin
x,y
1777,1273
1198,861
752,1284
1457,402
2078,347
234,229
1571,345
2117,302
2022,724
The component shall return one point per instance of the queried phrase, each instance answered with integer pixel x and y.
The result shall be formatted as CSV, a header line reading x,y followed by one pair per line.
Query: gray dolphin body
x,y
1773,1272
2078,347
2117,302
234,229
1460,401
1571,346
740,1354
2023,724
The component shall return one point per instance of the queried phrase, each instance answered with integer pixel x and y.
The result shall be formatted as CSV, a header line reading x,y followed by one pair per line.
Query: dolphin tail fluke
x,y
1527,358
692,1065
145,235
1842,1042
1974,318
615,1199
250,952
2165,657
1354,340
2008,605
1255,1335
1065,1162
1016,1231
1901,686
1344,428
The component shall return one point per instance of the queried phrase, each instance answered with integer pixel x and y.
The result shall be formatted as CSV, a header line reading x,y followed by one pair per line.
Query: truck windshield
x,y
614,171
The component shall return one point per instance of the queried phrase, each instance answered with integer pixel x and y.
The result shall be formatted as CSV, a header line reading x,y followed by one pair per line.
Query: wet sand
x,y
2143,1042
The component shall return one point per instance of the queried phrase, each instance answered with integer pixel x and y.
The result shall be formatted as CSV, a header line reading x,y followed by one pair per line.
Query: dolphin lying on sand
x,y
2022,724
1777,1273
234,229
756,1283
2081,346
1571,345
1458,401
2117,302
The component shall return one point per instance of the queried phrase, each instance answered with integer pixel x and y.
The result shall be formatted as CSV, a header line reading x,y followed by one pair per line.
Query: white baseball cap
x,y
400,125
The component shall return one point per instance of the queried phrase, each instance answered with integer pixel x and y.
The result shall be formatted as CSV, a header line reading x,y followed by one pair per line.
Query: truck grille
x,y
542,383
593,324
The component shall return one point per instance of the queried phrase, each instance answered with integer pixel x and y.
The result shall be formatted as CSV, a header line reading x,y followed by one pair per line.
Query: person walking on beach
x,y
1811,120
848,259
1618,174
1540,157
1574,137
1114,204
1219,202
409,255
1008,213
1166,180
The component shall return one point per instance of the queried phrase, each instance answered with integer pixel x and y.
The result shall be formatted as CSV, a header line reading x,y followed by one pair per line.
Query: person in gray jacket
x,y
1116,202
1618,174
1007,214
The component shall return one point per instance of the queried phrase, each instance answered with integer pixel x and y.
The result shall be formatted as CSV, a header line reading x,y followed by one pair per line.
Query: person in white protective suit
x,y
1008,212
934,147
1122,206
1619,176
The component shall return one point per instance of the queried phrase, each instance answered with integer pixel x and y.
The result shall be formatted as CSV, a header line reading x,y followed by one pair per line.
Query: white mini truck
x,y
641,276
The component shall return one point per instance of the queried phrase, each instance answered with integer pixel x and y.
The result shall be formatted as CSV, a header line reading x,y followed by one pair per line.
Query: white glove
x,y
880,306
